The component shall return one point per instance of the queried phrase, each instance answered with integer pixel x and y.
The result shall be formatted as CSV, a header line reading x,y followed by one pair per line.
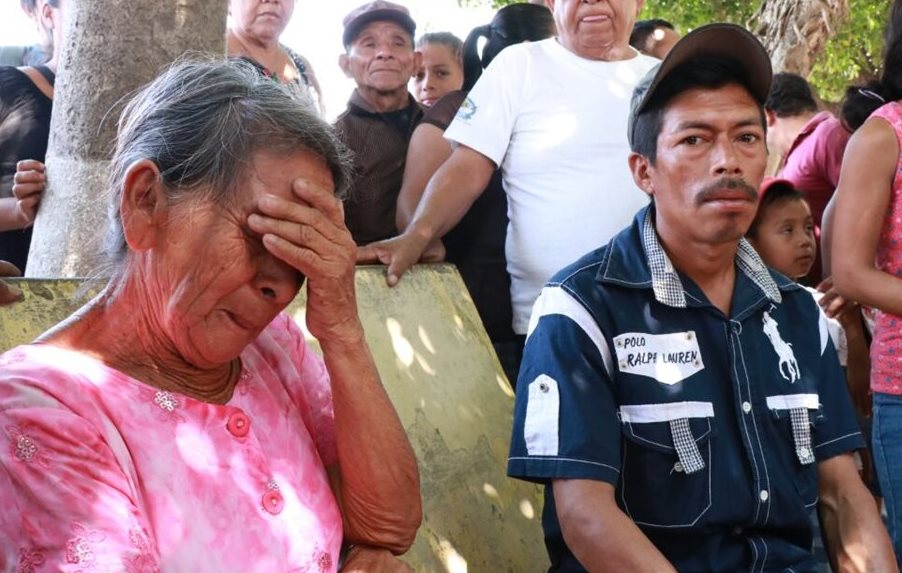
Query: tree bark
x,y
112,48
794,32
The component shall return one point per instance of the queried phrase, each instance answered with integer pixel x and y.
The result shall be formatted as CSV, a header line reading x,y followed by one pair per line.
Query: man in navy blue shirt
x,y
682,403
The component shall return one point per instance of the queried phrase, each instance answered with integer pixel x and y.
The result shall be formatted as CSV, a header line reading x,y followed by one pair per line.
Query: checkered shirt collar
x,y
665,280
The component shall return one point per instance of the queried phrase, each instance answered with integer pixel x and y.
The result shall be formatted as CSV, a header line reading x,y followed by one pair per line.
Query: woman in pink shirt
x,y
866,250
179,421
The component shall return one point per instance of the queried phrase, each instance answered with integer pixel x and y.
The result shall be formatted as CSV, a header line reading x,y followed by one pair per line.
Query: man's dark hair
x,y
708,73
777,193
513,24
642,29
790,96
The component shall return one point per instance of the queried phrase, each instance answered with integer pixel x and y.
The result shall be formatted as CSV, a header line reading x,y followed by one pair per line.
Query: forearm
x,y
600,535
858,367
827,238
379,485
10,220
856,537
450,193
427,152
865,284
617,545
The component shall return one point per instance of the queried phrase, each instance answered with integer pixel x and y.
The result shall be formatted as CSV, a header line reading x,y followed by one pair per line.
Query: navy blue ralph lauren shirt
x,y
709,426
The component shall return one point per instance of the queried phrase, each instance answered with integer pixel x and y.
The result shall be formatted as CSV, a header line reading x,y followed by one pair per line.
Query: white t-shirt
x,y
556,124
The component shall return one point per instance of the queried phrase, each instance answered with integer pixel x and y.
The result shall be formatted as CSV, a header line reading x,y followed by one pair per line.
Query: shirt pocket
x,y
666,466
796,417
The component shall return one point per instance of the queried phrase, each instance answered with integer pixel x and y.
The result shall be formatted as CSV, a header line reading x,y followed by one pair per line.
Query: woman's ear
x,y
143,205
45,16
640,167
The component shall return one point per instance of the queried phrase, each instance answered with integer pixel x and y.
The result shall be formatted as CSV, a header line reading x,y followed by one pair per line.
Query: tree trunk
x,y
112,47
795,31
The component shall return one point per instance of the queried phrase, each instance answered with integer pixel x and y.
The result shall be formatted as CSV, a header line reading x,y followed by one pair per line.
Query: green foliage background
x,y
852,54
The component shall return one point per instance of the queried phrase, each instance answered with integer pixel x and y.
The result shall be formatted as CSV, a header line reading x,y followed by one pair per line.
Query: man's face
x,y
711,158
381,58
595,29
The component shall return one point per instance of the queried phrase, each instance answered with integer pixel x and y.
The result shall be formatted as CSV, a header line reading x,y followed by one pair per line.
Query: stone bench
x,y
437,364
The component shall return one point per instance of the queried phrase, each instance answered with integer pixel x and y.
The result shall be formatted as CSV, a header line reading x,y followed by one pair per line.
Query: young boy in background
x,y
783,234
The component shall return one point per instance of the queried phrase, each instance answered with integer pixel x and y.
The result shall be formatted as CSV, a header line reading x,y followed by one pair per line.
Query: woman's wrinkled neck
x,y
252,47
122,328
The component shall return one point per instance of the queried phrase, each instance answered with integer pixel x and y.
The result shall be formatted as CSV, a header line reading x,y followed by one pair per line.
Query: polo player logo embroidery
x,y
789,368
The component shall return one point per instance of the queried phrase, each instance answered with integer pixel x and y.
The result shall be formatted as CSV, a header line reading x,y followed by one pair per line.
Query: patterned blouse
x,y
304,80
886,348
101,472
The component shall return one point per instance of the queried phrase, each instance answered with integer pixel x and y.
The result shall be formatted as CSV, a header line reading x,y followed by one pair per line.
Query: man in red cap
x,y
381,114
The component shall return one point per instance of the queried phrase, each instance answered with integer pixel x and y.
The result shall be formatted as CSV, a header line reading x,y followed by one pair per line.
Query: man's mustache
x,y
710,191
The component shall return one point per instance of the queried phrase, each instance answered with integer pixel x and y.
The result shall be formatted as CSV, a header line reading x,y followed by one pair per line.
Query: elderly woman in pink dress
x,y
179,421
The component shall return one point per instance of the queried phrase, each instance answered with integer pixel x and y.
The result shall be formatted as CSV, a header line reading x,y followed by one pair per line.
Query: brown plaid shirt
x,y
379,142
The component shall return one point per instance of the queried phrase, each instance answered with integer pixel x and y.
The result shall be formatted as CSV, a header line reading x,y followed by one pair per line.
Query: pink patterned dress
x,y
100,472
886,348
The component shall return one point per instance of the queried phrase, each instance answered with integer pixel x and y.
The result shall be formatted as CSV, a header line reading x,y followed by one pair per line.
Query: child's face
x,y
785,237
440,74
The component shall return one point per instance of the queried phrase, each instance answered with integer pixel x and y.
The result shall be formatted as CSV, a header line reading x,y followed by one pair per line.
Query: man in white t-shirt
x,y
552,115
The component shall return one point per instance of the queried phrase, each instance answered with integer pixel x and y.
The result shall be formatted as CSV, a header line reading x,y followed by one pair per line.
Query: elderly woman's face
x,y
263,20
219,286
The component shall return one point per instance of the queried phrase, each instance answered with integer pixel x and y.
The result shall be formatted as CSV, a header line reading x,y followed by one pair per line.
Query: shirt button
x,y
763,496
273,502
737,531
238,425
678,467
806,453
746,407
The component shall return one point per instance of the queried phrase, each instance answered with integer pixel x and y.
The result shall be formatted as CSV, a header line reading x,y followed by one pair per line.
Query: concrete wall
x,y
438,367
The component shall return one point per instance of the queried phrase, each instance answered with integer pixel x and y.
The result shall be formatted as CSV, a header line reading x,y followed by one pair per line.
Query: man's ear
x,y
641,168
143,206
417,62
345,64
639,5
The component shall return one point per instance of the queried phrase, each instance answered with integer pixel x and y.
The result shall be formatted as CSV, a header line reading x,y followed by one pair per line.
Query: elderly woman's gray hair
x,y
202,121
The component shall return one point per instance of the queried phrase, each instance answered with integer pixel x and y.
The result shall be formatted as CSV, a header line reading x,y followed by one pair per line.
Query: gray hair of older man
x,y
202,121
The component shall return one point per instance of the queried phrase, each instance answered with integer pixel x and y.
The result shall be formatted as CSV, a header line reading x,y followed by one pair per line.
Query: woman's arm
x,y
378,481
862,200
427,151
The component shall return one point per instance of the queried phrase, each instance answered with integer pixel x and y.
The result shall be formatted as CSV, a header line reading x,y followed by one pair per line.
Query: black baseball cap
x,y
721,40
377,11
